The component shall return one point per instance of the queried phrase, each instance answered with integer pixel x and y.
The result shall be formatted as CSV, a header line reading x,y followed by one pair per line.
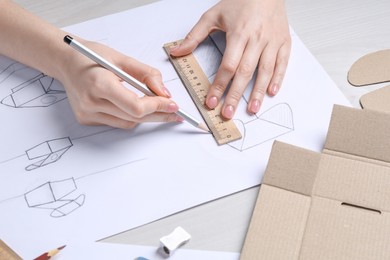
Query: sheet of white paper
x,y
61,181
100,251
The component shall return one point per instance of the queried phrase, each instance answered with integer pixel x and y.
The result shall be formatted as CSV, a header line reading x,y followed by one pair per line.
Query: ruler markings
x,y
198,85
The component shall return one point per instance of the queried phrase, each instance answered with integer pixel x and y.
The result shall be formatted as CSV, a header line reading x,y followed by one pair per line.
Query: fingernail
x,y
172,107
228,112
212,102
174,48
166,91
254,106
275,88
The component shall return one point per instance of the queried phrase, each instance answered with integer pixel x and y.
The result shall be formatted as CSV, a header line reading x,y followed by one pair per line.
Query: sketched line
x,y
260,143
54,155
84,176
273,123
97,133
108,169
16,157
9,66
11,198
55,193
215,44
287,125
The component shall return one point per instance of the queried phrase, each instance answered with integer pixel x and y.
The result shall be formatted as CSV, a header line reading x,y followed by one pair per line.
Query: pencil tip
x,y
204,127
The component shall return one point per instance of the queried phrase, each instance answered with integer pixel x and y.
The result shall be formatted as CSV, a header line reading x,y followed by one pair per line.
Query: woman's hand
x,y
97,96
257,38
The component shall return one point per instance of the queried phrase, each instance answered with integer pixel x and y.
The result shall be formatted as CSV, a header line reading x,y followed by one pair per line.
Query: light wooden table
x,y
336,32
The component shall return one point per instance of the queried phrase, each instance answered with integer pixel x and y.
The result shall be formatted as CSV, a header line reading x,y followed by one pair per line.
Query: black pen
x,y
126,77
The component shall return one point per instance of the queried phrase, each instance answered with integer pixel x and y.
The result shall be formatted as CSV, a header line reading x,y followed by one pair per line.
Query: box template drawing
x,y
329,205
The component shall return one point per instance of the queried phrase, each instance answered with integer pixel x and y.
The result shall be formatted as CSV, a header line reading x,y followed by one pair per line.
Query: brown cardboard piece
x,y
377,100
370,69
329,205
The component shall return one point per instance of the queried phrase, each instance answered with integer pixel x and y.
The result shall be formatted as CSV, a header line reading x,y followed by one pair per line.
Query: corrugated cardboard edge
x,y
378,100
302,162
370,69
360,133
311,225
288,209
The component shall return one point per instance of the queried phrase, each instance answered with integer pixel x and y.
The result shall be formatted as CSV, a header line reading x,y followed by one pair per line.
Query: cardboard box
x,y
329,205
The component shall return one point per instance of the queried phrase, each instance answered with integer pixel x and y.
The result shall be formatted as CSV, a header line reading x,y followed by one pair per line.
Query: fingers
x,y
280,69
113,121
139,107
126,105
240,66
98,96
271,71
109,120
242,69
257,35
145,74
147,109
198,33
265,73
110,103
239,63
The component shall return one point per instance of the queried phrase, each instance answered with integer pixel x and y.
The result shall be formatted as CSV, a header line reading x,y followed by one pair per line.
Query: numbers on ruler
x,y
201,92
193,79
198,85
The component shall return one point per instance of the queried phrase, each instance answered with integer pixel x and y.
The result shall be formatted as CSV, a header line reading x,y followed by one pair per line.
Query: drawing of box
x,y
50,192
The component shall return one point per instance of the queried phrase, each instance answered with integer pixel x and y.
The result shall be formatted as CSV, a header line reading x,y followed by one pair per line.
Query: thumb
x,y
197,34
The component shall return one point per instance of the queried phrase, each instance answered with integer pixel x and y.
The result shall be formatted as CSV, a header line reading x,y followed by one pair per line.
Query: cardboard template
x,y
329,205
370,69
377,100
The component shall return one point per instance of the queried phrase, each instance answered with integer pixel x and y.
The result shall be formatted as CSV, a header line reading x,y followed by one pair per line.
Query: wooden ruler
x,y
198,85
7,253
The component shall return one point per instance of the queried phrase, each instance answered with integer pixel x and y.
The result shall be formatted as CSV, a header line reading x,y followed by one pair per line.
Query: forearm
x,y
30,40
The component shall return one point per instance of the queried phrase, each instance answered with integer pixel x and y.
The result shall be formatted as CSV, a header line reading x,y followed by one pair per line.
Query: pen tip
x,y
204,127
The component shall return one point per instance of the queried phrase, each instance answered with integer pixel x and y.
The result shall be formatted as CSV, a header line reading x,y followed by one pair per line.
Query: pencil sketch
x,y
48,152
52,150
271,124
13,67
208,57
60,197
29,88
55,196
40,91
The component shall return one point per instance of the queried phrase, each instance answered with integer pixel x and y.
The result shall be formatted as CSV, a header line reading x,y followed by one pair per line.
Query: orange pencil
x,y
48,255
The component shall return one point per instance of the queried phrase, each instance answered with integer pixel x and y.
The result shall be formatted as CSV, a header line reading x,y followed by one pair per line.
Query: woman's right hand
x,y
98,97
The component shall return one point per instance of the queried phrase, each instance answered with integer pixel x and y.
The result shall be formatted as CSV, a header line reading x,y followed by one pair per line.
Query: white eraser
x,y
174,240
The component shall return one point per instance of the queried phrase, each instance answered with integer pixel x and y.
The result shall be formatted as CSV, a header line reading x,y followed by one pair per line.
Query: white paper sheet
x,y
61,181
